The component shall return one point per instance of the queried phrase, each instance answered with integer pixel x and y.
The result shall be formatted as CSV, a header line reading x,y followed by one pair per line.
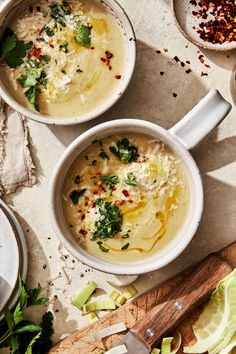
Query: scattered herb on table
x,y
131,179
109,221
110,181
12,50
21,335
126,152
83,34
76,195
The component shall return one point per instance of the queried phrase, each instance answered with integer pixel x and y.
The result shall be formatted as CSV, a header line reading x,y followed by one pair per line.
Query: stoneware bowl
x,y
185,21
186,134
8,11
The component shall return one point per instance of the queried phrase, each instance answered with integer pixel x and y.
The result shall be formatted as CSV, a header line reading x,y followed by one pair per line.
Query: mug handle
x,y
201,120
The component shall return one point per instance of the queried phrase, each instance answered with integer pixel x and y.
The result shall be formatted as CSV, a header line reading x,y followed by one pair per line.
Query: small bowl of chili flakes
x,y
210,24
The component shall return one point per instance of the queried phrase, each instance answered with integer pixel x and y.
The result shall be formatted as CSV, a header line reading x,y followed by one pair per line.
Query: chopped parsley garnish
x,y
46,58
125,246
64,46
31,96
126,152
125,235
75,195
103,155
109,221
58,12
12,50
110,181
99,201
131,179
83,34
49,31
102,248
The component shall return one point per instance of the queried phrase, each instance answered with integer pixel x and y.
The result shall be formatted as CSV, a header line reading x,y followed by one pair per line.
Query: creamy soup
x,y
72,57
125,197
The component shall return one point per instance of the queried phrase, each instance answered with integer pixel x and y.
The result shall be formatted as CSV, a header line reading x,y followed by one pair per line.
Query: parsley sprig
x,y
126,152
12,50
131,179
83,34
110,181
21,335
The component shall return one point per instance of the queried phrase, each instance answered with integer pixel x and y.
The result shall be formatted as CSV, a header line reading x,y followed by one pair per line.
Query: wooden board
x,y
81,342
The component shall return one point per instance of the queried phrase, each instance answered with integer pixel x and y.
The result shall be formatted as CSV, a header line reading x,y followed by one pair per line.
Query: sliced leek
x,y
118,298
130,291
99,305
166,345
92,317
80,299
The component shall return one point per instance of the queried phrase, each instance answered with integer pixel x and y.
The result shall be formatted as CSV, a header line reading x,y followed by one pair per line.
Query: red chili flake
x,y
35,52
83,232
130,201
110,67
125,192
103,60
51,45
94,204
162,73
207,66
120,202
182,64
95,192
118,77
188,71
77,179
92,48
109,55
176,59
83,217
187,62
204,74
165,50
175,94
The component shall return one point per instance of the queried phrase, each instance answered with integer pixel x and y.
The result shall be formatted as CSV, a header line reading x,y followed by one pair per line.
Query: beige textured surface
x,y
149,96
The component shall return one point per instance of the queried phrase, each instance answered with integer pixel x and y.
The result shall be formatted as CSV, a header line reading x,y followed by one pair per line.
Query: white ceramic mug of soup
x,y
182,137
77,64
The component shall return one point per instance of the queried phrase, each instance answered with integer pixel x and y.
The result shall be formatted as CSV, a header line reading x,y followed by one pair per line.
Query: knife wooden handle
x,y
193,290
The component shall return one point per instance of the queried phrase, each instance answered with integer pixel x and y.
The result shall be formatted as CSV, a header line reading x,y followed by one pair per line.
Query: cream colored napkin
x,y
16,166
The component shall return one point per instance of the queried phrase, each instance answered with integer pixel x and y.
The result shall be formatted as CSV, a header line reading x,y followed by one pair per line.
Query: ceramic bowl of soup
x,y
64,62
127,196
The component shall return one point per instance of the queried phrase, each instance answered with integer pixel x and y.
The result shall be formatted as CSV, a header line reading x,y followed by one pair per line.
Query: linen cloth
x,y
16,165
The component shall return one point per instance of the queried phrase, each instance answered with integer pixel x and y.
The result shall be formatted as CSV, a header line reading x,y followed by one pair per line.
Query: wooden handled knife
x,y
161,319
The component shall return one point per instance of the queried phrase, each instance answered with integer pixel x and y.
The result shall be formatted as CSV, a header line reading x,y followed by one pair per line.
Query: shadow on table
x,y
149,95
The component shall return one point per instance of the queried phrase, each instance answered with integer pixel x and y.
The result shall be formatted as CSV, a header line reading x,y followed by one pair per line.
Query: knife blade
x,y
161,319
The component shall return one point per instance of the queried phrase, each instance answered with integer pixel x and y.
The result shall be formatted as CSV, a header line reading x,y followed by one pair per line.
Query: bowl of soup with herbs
x,y
64,62
124,199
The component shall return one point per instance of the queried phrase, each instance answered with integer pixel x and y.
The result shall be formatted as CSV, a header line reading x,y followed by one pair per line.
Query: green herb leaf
x,y
49,31
126,152
125,246
46,58
125,235
64,46
102,248
110,181
76,195
131,179
27,80
29,349
12,50
58,12
109,221
99,201
83,34
29,328
103,155
31,96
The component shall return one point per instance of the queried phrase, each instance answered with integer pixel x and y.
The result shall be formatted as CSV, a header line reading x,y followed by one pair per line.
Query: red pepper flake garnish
x,y
35,52
94,204
204,74
188,71
182,64
83,232
120,202
125,192
162,73
207,65
95,192
77,179
130,201
187,62
109,67
83,217
109,55
165,50
103,60
92,48
51,45
175,94
118,77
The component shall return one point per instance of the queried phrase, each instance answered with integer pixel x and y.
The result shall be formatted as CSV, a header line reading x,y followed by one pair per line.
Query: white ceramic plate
x,y
9,259
22,250
185,21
